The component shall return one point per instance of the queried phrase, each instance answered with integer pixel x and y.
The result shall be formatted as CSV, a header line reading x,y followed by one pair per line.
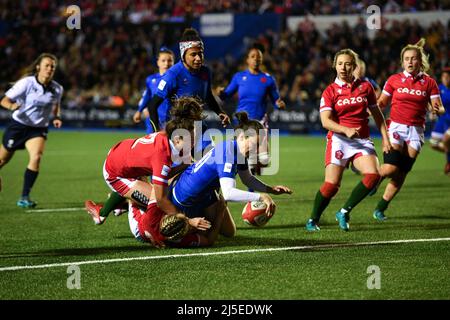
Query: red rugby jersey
x,y
410,97
349,103
148,222
146,156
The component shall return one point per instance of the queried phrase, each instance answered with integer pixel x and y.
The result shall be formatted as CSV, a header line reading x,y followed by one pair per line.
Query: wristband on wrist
x,y
57,118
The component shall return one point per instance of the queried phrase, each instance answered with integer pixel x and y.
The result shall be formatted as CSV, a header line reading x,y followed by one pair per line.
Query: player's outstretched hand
x,y
57,123
200,223
280,104
280,190
137,117
225,119
270,204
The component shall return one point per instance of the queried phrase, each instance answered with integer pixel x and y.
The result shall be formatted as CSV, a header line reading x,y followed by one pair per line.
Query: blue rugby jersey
x,y
151,84
253,90
179,81
445,97
222,161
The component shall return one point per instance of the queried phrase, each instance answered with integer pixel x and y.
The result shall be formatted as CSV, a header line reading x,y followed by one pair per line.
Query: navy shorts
x,y
16,134
197,206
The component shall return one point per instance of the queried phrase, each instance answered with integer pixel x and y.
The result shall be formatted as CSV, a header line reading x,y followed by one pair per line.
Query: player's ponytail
x,y
187,108
418,46
190,34
183,114
174,227
245,124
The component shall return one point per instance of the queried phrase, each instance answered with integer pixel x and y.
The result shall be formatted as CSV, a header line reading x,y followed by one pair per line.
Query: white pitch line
x,y
202,254
55,210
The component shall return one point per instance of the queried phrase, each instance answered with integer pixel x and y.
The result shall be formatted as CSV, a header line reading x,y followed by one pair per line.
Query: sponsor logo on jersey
x,y
413,92
162,85
244,78
352,100
227,167
153,80
263,79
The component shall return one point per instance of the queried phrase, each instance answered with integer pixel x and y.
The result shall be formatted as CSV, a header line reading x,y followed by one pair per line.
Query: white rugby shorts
x,y
413,136
340,149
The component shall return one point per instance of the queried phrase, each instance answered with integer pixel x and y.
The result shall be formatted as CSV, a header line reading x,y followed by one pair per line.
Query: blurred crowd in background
x,y
107,61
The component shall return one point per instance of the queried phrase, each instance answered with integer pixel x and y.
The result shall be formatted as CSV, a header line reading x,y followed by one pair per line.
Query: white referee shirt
x,y
36,102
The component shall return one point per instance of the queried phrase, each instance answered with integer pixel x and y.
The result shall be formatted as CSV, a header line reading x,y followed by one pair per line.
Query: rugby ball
x,y
254,213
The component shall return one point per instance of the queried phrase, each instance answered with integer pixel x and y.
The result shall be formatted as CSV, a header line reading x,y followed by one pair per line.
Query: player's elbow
x,y
227,195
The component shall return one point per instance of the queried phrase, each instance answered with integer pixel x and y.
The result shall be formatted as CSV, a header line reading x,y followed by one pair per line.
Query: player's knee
x,y
393,158
329,190
407,163
370,180
35,158
3,162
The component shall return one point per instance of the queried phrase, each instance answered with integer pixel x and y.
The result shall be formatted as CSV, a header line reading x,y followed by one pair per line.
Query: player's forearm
x,y
253,182
153,111
213,104
7,103
144,102
332,125
165,205
231,193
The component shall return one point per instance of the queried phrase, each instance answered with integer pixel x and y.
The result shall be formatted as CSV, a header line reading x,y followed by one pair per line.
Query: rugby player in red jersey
x,y
410,92
149,156
154,226
344,112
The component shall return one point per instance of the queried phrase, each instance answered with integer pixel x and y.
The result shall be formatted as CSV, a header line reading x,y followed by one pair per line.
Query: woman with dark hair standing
x,y
188,77
35,101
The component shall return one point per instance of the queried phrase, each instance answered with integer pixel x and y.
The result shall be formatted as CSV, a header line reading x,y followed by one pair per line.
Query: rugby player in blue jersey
x,y
188,77
254,87
166,59
440,136
196,188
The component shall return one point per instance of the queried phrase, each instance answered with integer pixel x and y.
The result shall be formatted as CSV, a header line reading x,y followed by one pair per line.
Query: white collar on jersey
x,y
407,74
341,83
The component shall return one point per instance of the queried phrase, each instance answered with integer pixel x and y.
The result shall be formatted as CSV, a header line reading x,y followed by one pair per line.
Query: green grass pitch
x,y
71,172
